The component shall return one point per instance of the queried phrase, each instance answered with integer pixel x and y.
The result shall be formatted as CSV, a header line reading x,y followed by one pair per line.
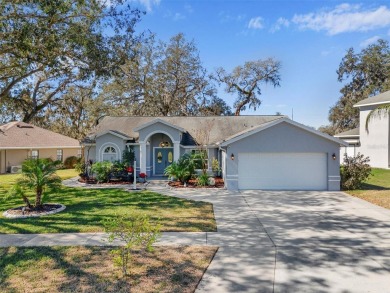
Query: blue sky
x,y
309,38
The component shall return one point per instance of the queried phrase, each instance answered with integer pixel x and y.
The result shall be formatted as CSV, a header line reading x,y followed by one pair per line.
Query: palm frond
x,y
379,112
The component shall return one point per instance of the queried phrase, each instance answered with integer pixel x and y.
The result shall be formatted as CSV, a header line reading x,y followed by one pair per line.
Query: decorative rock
x,y
7,214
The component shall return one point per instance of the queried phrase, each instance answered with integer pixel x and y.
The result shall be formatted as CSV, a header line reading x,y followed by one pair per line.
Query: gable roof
x,y
220,127
158,120
383,98
20,135
349,133
264,126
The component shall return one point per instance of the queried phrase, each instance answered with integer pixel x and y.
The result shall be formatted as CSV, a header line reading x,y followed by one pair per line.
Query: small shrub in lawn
x,y
354,171
102,171
135,231
70,162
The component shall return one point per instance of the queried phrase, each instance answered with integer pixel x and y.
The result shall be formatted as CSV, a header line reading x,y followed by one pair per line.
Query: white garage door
x,y
284,171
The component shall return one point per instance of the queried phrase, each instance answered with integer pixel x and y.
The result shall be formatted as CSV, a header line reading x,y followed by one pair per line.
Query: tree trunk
x,y
38,198
27,202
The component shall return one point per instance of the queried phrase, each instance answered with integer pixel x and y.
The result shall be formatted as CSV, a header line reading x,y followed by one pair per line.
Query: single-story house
x,y
373,142
254,152
19,141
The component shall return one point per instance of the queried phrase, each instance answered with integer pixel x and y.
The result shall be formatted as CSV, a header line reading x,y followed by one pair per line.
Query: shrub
x,y
135,231
183,169
102,171
70,162
81,168
354,171
128,156
38,175
203,179
215,166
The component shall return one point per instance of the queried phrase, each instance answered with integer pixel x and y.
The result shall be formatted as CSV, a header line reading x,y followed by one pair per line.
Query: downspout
x,y
224,164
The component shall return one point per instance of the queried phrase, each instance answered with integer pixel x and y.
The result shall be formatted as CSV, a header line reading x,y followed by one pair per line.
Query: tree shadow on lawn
x,y
367,186
77,279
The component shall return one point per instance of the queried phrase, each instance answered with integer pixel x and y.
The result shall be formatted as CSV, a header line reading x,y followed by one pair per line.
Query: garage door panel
x,y
299,171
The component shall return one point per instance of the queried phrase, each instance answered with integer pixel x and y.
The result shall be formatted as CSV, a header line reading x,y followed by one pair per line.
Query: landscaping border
x,y
13,216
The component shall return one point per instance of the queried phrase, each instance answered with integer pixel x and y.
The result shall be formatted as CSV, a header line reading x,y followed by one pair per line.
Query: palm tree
x,y
379,112
38,175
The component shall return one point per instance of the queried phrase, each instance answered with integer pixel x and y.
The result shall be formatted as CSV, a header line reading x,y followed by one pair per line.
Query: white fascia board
x,y
371,104
352,141
211,146
281,120
350,135
158,121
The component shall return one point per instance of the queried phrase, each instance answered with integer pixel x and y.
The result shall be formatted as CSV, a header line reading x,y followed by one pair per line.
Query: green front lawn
x,y
86,208
376,189
6,180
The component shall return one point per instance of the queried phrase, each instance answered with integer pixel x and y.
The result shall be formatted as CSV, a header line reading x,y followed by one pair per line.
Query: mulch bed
x,y
112,182
23,211
193,184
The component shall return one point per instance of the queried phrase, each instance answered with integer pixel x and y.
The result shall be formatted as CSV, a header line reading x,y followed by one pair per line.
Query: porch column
x,y
176,150
142,157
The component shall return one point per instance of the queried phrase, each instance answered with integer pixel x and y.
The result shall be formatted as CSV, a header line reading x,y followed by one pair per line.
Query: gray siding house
x,y
373,142
254,152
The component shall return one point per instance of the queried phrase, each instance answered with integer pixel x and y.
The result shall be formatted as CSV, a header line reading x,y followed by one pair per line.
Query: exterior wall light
x,y
334,156
232,157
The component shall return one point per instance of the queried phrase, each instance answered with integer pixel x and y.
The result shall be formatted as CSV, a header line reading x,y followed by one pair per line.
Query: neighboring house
x,y
19,141
373,143
255,152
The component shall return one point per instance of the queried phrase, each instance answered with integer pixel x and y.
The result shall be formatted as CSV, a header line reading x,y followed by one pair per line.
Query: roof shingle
x,y
23,135
221,127
382,98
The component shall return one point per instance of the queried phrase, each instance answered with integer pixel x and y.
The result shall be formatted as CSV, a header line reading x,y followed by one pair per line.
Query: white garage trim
x,y
282,171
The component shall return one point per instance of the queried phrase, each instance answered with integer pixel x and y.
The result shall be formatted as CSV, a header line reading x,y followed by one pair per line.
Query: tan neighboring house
x,y
19,141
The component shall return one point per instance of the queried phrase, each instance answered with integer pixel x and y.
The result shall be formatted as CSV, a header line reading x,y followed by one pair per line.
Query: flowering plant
x,y
142,175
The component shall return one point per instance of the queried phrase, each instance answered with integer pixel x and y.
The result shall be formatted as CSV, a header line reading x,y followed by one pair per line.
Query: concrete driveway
x,y
281,241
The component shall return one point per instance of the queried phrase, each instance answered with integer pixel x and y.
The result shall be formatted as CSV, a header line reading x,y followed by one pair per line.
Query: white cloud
x,y
189,8
281,22
174,16
226,17
148,3
255,23
344,18
369,41
178,16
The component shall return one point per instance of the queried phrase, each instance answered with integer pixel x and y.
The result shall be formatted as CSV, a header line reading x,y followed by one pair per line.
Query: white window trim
x,y
104,146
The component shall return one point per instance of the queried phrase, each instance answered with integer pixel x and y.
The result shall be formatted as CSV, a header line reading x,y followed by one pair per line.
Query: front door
x,y
163,157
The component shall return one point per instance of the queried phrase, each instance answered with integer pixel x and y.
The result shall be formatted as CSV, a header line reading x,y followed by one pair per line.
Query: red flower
x,y
130,169
142,175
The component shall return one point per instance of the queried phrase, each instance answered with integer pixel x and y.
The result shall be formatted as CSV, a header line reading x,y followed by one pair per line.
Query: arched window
x,y
110,154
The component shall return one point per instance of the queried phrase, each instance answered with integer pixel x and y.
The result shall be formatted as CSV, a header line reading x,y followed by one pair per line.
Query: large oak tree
x,y
48,46
367,74
245,81
164,79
